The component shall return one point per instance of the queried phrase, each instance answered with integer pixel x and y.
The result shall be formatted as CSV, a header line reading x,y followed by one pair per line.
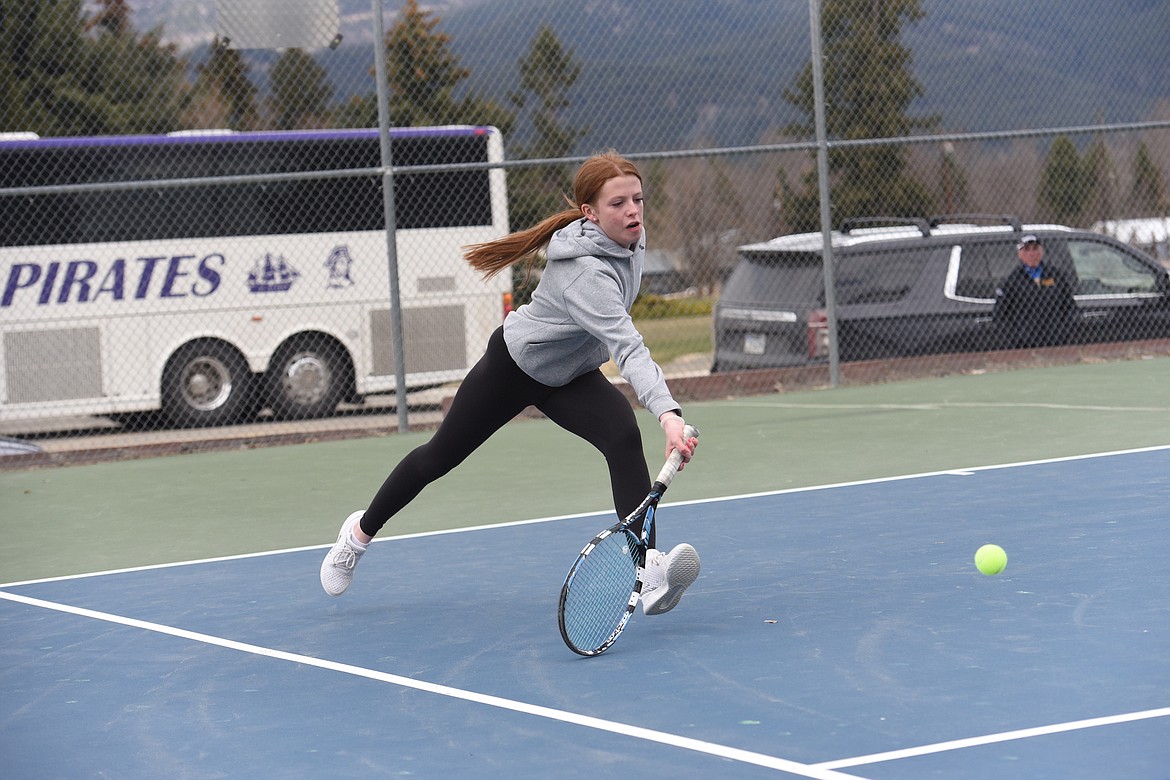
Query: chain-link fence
x,y
195,196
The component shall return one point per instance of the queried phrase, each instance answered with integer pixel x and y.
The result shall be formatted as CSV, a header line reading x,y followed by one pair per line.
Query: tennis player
x,y
548,354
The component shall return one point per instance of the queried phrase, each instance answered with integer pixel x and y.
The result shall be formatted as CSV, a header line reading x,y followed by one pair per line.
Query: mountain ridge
x,y
984,64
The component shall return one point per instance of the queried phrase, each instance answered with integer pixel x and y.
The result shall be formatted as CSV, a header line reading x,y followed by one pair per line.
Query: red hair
x,y
492,257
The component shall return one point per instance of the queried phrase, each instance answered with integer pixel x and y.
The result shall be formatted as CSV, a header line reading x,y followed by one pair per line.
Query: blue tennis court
x,y
836,631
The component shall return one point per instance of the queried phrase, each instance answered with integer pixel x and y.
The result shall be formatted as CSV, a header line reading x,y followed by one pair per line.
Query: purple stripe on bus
x,y
242,137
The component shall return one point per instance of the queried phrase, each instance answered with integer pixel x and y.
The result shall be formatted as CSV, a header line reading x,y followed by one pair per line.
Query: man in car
x,y
1034,304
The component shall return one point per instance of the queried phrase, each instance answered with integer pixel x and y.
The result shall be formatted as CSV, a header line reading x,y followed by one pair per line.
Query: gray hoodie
x,y
579,316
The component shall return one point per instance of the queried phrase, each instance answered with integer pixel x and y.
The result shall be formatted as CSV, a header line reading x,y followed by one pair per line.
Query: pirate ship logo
x,y
271,274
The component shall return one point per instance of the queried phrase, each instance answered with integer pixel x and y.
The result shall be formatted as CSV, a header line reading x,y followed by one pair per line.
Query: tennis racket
x,y
602,588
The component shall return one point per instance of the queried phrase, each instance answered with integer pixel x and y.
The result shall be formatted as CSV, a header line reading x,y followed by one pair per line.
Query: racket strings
x,y
598,595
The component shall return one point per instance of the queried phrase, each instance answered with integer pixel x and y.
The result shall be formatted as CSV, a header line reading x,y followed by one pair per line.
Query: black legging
x,y
494,392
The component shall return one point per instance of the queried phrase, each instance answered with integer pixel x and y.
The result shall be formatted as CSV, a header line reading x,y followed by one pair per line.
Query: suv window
x,y
879,277
1106,270
982,264
777,278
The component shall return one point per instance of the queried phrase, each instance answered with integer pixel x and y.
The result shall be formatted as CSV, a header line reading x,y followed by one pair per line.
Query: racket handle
x,y
670,468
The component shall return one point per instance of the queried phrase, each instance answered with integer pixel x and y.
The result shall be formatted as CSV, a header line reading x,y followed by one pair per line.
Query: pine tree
x,y
140,81
1063,194
62,73
300,92
547,73
424,75
868,91
29,37
423,71
224,96
1147,197
1099,180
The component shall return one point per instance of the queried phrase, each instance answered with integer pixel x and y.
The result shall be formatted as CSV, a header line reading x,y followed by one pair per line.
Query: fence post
x,y
391,221
814,20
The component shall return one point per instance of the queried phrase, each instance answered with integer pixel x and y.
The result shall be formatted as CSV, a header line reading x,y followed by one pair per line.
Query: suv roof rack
x,y
855,222
1005,219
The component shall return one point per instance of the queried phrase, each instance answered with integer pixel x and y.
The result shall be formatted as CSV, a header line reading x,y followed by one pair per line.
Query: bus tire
x,y
206,384
306,379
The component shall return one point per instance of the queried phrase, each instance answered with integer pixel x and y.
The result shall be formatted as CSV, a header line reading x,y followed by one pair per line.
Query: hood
x,y
582,238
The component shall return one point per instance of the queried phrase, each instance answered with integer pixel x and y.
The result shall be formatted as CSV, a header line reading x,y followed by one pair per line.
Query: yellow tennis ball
x,y
990,559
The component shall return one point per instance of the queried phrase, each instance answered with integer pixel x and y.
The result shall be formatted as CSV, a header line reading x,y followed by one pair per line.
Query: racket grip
x,y
670,468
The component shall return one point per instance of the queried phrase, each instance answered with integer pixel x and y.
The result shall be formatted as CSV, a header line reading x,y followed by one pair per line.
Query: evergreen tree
x,y
300,92
868,91
138,82
1147,197
547,73
800,208
1063,194
1099,179
62,73
424,76
224,96
37,41
422,69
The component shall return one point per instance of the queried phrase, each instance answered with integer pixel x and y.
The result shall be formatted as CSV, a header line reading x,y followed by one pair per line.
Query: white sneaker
x,y
337,568
666,576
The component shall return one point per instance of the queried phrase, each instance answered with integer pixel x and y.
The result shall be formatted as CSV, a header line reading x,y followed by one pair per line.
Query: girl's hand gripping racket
x,y
602,589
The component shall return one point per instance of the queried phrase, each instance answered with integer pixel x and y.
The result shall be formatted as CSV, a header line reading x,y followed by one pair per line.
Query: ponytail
x,y
491,257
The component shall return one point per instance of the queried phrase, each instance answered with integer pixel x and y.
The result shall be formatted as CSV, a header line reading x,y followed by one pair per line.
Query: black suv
x,y
922,287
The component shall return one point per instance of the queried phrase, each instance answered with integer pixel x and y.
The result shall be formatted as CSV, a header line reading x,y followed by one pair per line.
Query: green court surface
x,y
103,516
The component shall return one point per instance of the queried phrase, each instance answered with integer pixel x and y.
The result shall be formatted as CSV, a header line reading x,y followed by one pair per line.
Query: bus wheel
x,y
206,383
305,380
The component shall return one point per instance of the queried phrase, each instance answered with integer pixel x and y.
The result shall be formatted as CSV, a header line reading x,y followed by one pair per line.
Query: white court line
x,y
420,535
933,406
613,727
990,739
960,471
